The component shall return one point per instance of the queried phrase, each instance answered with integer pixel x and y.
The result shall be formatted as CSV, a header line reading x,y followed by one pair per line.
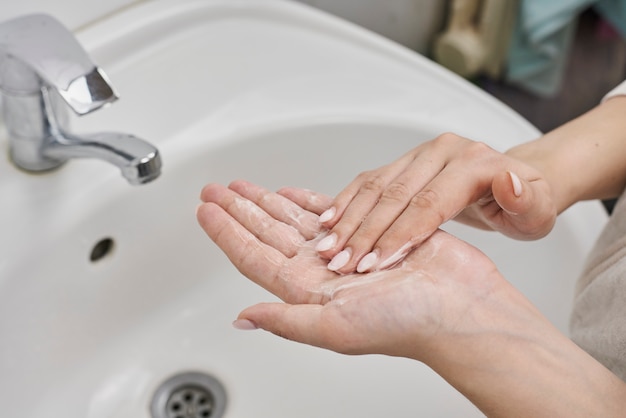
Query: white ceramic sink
x,y
272,92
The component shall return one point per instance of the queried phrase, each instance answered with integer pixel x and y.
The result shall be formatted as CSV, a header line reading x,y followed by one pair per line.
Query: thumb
x,y
307,323
528,211
301,323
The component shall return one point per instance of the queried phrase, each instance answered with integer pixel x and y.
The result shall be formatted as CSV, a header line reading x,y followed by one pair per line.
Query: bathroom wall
x,y
72,13
409,22
412,23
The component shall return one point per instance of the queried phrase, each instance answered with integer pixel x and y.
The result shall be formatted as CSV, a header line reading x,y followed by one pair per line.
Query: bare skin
x,y
518,193
351,301
445,304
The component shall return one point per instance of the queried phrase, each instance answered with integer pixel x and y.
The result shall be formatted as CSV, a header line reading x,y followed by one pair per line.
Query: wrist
x,y
520,365
584,158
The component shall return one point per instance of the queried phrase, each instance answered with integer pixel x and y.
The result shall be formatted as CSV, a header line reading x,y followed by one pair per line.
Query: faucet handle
x,y
37,49
88,92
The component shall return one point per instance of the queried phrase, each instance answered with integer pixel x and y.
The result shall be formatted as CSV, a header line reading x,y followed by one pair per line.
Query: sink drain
x,y
189,395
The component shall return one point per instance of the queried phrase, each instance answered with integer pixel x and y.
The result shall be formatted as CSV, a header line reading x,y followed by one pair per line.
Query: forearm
x,y
522,366
585,158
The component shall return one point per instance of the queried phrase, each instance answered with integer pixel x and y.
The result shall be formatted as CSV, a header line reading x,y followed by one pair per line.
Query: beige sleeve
x,y
620,90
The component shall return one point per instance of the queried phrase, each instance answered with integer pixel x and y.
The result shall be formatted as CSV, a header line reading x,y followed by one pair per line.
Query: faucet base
x,y
43,165
34,119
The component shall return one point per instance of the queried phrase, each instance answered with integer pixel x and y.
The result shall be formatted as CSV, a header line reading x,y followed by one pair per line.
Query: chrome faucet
x,y
41,62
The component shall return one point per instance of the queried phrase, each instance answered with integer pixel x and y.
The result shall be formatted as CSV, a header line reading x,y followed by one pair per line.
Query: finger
x,y
279,208
390,205
354,202
254,259
311,324
456,187
527,212
275,233
307,199
368,187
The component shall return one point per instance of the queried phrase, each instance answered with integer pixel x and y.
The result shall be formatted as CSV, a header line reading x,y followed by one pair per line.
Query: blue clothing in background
x,y
543,36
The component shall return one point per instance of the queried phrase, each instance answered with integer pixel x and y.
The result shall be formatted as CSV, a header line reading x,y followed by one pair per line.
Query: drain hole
x,y
101,249
190,401
189,395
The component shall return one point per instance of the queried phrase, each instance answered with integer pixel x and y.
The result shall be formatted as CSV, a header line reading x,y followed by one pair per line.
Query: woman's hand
x,y
439,290
445,304
385,213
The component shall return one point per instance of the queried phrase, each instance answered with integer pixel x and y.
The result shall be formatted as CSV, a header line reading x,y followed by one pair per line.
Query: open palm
x,y
438,290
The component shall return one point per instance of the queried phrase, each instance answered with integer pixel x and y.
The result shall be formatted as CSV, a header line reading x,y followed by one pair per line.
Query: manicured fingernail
x,y
328,215
517,184
244,324
367,262
327,242
340,260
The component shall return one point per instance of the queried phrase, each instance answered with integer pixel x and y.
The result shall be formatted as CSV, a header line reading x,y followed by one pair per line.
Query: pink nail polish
x,y
340,260
328,215
244,324
327,242
517,184
367,262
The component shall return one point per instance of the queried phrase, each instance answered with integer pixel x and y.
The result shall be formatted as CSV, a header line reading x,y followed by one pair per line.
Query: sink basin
x,y
108,290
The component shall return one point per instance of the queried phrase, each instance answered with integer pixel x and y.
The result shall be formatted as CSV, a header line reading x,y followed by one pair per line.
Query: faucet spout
x,y
41,61
138,160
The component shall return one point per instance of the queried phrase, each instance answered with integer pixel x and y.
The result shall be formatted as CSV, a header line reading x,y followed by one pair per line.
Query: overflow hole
x,y
102,248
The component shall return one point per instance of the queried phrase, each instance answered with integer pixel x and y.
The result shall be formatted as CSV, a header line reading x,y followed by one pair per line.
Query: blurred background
x,y
549,60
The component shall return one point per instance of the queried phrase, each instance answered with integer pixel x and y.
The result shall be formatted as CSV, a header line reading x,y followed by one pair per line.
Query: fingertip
x,y
201,213
244,325
208,191
367,262
271,317
307,199
286,191
340,260
202,210
242,187
328,215
516,183
238,183
510,192
327,243
210,217
530,213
